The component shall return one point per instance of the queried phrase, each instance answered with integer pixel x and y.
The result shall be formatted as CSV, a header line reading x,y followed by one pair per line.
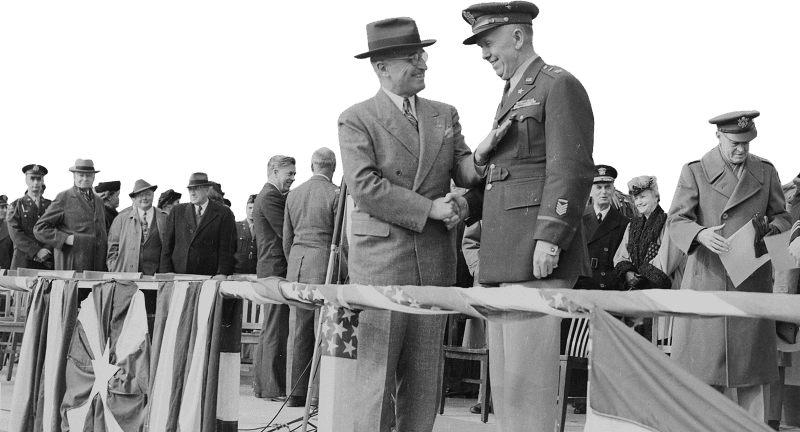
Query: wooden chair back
x,y
252,316
25,272
175,276
578,338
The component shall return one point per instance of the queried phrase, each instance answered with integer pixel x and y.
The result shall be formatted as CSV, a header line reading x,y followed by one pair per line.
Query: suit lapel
x,y
208,216
76,193
396,123
188,214
431,136
609,223
749,184
525,85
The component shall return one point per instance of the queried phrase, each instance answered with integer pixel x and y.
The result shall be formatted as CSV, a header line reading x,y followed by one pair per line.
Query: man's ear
x,y
519,38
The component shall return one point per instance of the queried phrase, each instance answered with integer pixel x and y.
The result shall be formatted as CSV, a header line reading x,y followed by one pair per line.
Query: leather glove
x,y
762,228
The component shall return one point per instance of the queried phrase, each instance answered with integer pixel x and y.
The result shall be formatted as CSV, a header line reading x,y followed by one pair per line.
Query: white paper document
x,y
778,247
740,262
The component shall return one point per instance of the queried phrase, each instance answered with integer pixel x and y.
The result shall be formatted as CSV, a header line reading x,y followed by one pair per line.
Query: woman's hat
x,y
168,196
391,34
640,184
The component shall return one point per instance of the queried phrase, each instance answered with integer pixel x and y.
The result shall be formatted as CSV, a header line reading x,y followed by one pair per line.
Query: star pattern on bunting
x,y
339,332
401,297
308,293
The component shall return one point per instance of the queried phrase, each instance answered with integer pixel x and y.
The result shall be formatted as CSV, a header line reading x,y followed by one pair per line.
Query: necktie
x,y
409,115
199,214
87,193
144,228
599,217
505,93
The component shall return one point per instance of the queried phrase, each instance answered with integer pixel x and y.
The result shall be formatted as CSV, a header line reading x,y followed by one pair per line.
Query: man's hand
x,y
463,209
443,208
42,255
713,241
632,279
490,142
220,277
544,262
794,250
70,239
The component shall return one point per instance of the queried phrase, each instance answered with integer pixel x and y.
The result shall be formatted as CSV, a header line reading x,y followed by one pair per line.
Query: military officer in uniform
x,y
716,196
23,215
604,226
538,180
246,252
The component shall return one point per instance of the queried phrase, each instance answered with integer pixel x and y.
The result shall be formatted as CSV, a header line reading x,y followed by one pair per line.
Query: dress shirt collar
x,y
398,101
146,215
323,176
597,211
202,206
514,80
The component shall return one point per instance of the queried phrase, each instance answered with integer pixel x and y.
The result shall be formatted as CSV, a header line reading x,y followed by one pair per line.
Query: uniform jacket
x,y
603,239
538,180
206,249
70,214
268,214
246,251
724,351
125,239
22,216
393,173
308,229
6,246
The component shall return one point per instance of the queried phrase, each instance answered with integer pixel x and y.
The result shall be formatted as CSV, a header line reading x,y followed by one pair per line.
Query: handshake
x,y
449,209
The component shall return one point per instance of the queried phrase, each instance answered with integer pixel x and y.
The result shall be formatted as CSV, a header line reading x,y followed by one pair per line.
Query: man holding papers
x,y
716,196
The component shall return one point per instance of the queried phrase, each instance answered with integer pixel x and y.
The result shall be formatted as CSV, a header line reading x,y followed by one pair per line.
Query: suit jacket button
x,y
489,186
724,216
602,273
491,166
605,249
602,285
399,172
191,231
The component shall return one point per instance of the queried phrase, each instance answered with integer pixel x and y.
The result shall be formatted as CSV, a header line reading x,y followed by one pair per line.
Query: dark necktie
x,y
599,217
505,93
87,193
199,214
409,115
144,227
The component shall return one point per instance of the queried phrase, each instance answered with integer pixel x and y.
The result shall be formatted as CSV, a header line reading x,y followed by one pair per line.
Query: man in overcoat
x,y
137,234
200,236
74,224
22,216
716,196
269,381
399,153
246,249
307,234
604,226
538,180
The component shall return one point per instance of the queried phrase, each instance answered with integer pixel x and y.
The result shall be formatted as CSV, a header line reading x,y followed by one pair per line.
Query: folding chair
x,y
575,356
252,319
452,350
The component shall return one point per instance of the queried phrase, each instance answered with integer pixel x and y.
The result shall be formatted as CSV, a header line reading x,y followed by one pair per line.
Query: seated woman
x,y
646,258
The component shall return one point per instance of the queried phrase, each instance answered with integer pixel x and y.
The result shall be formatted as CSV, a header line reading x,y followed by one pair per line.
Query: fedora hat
x,y
391,34
141,186
199,179
84,166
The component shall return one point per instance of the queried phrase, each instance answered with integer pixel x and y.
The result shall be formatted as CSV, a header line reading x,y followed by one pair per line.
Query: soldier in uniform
x,y
6,245
75,225
604,226
23,215
109,193
538,180
246,252
716,196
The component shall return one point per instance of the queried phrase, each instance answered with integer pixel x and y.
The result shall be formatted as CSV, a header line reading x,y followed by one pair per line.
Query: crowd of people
x,y
523,213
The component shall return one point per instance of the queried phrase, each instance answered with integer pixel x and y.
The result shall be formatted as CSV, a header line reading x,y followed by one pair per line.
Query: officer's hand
x,y
463,209
713,241
42,255
70,239
443,208
490,142
794,250
632,279
543,262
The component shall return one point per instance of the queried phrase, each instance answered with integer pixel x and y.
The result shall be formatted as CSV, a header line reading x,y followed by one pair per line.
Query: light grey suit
x,y
394,173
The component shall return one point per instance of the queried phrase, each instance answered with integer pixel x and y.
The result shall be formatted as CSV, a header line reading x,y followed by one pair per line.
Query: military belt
x,y
496,172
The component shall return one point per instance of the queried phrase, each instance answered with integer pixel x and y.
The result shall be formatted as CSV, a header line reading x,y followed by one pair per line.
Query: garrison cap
x,y
34,169
738,125
3,200
604,173
112,186
486,16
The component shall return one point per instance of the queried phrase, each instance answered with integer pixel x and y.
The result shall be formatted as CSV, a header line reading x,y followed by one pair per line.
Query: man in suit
x,y
270,357
604,226
537,184
75,223
716,196
200,236
399,153
109,193
136,236
6,245
246,250
22,217
307,234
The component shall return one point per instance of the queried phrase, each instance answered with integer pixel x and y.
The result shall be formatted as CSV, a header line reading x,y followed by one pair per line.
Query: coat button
x,y
605,249
724,216
399,172
489,186
602,285
491,166
602,273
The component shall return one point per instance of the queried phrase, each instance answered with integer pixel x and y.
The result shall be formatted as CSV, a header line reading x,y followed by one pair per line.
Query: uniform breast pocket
x,y
365,225
530,129
525,194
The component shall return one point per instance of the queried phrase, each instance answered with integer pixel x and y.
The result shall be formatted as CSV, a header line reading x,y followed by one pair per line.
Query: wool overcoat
x,y
603,240
125,239
204,249
731,352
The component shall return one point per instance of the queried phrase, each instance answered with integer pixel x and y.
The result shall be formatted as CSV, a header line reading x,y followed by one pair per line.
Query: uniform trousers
x,y
398,354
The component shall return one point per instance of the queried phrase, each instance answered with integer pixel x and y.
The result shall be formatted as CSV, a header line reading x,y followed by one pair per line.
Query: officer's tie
x,y
505,93
599,217
409,115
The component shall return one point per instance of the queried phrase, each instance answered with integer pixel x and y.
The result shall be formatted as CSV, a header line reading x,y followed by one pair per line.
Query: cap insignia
x,y
35,168
508,6
743,122
601,171
468,16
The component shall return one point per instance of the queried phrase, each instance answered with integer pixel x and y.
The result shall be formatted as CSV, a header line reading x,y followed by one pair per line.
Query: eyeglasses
x,y
414,58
